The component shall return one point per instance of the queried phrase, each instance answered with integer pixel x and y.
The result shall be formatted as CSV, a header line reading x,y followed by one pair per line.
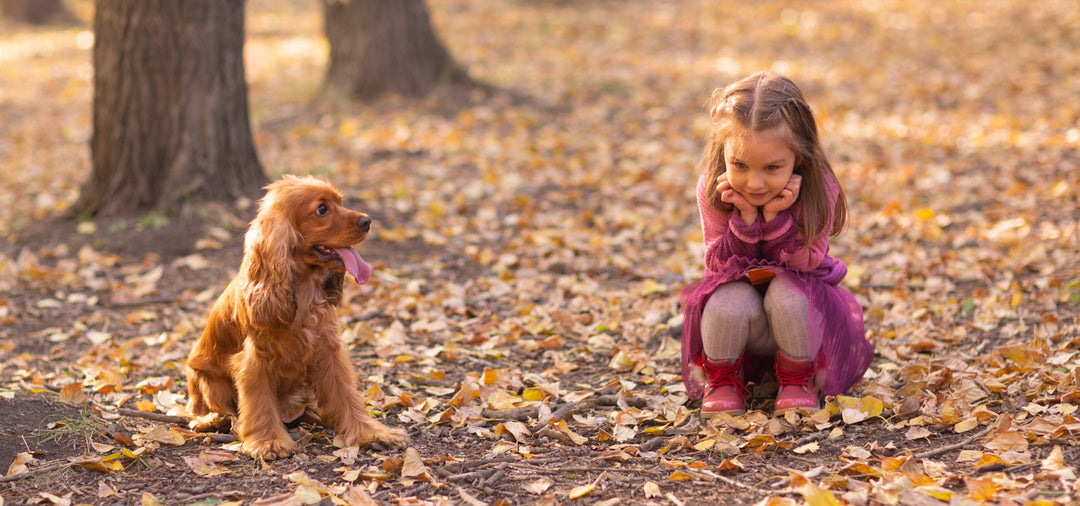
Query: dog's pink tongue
x,y
356,266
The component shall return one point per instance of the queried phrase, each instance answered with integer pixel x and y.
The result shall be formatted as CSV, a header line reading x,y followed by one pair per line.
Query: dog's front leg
x,y
342,405
259,425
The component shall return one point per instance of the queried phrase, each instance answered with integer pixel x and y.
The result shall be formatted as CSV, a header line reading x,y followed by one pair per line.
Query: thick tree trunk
x,y
37,12
170,111
385,46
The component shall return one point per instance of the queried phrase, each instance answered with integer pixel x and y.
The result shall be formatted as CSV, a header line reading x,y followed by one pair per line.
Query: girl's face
x,y
759,164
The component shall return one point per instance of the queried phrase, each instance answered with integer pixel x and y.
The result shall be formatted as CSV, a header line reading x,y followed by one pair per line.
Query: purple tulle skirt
x,y
836,317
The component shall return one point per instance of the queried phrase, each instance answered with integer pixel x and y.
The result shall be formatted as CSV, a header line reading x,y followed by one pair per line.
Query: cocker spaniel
x,y
271,343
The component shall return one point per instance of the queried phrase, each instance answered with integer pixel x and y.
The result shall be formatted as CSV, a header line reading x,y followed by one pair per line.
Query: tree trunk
x,y
37,12
385,46
170,113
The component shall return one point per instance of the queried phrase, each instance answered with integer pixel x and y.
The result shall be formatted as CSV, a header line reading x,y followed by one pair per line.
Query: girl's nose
x,y
755,182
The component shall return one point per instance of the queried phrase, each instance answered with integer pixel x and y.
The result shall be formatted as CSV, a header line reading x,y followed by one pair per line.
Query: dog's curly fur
x,y
271,340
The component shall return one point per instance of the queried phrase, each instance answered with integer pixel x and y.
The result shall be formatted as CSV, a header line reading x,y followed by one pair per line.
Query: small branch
x,y
157,417
519,414
817,436
944,449
564,410
483,475
460,466
34,472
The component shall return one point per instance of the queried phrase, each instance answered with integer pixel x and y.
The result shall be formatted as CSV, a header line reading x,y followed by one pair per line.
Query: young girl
x,y
769,202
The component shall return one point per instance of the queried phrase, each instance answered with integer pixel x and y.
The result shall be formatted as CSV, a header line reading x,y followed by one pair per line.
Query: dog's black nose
x,y
364,223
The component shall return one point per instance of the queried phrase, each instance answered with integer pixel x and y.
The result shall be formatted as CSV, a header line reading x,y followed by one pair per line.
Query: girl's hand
x,y
747,211
783,200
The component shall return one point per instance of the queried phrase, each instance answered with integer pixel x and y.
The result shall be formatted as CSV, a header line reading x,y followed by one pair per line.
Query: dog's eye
x,y
322,210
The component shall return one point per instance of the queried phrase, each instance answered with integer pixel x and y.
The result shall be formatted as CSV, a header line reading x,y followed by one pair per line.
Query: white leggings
x,y
738,318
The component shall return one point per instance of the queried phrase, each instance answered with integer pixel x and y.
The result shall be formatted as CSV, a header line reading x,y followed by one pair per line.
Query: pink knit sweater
x,y
732,248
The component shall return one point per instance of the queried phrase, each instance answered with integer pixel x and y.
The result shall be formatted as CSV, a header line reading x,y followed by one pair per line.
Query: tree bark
x,y
385,47
38,12
170,112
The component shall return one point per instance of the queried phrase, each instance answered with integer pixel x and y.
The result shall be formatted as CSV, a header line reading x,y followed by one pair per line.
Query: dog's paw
x,y
210,422
363,435
392,438
268,449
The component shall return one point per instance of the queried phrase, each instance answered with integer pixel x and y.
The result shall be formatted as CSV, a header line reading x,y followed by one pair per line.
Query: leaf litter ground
x,y
529,251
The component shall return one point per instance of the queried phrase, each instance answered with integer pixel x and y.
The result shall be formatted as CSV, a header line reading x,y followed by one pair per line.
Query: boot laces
x,y
797,378
727,375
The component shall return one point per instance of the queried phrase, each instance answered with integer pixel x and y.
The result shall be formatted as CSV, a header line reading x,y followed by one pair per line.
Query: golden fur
x,y
272,337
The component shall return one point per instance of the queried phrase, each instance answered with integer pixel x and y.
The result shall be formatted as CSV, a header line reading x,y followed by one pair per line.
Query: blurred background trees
x,y
170,110
379,47
37,12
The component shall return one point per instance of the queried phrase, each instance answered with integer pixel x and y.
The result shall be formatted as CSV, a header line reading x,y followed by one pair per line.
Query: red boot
x,y
725,392
796,380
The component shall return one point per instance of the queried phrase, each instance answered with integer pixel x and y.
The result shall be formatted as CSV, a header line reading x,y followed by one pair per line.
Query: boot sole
x,y
782,412
710,414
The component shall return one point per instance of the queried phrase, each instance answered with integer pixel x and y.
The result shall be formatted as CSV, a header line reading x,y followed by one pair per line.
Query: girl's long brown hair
x,y
761,102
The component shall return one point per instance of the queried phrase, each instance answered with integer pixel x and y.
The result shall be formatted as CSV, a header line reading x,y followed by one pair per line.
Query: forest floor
x,y
529,249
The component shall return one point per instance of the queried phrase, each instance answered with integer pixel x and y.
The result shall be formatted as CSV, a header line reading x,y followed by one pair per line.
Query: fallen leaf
x,y
413,466
21,463
679,475
980,490
812,494
538,486
917,433
583,490
164,435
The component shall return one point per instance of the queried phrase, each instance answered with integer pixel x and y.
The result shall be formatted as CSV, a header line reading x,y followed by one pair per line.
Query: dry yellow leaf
x,y
980,490
966,425
576,438
917,433
413,465
490,376
679,475
1009,440
581,491
705,444
812,494
1055,461
73,393
148,499
164,435
533,394
538,486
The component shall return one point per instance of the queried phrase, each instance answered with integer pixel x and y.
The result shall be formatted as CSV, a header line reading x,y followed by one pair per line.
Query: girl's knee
x,y
783,297
735,301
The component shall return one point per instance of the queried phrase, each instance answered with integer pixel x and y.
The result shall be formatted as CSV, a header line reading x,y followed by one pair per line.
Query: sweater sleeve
x,y
725,237
783,242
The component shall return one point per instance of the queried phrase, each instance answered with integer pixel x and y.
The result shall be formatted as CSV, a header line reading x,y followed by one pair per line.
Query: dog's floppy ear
x,y
269,268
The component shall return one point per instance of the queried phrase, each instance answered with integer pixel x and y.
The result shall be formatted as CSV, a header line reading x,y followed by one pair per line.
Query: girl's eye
x,y
322,210
739,165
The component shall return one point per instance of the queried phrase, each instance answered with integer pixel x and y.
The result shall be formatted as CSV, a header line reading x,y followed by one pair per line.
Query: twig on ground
x,y
157,417
817,436
948,448
564,410
519,414
34,472
472,475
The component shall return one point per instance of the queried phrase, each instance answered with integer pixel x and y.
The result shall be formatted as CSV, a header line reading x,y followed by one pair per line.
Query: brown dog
x,y
272,340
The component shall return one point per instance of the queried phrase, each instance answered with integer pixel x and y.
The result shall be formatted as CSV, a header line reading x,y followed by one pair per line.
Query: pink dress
x,y
732,248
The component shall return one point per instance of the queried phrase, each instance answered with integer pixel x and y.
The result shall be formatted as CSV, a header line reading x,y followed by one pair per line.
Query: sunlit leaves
x,y
532,261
